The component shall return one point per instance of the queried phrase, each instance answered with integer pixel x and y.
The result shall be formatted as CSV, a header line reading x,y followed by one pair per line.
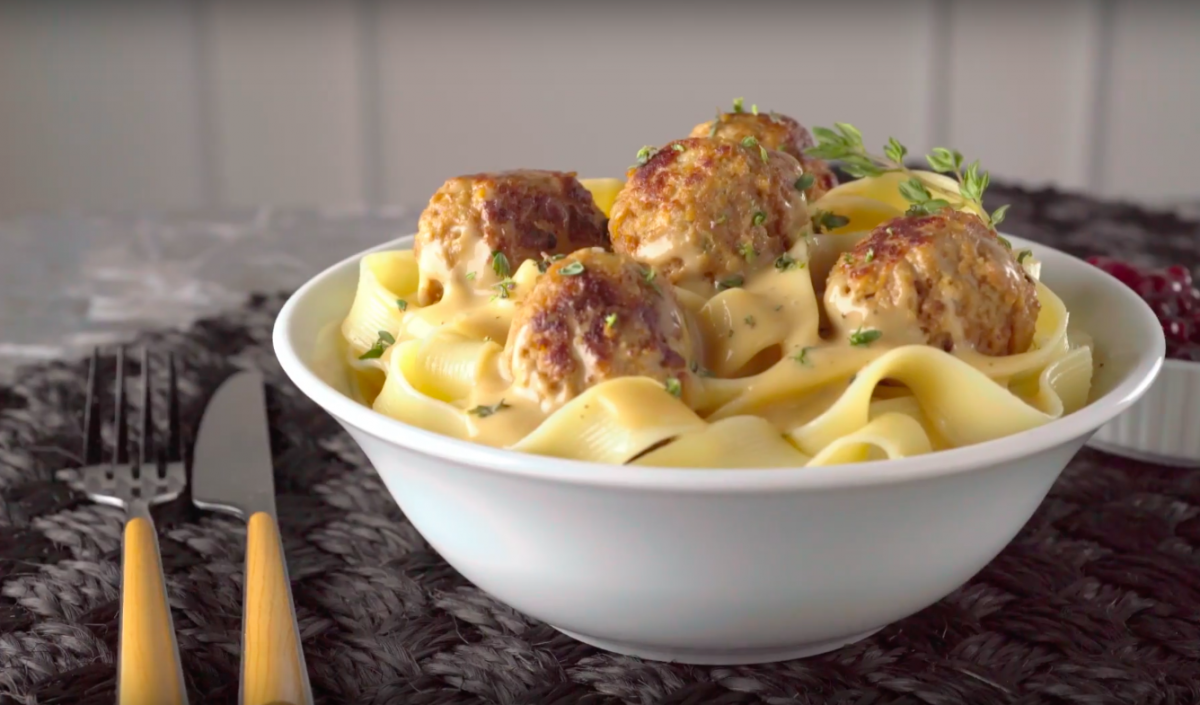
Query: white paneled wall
x,y
501,87
200,103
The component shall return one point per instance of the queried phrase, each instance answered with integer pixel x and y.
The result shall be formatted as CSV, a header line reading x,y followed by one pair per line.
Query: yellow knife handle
x,y
148,672
273,669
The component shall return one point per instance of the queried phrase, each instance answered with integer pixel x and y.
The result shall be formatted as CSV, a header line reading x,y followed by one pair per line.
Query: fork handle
x,y
273,668
149,671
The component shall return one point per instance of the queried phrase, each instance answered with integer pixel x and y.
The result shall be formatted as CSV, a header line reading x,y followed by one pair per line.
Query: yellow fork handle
x,y
273,669
149,672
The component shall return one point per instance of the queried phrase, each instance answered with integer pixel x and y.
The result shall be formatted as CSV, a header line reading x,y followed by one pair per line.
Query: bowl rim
x,y
549,469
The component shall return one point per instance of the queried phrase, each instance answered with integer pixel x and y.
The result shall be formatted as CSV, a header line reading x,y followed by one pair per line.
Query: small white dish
x,y
723,566
1163,427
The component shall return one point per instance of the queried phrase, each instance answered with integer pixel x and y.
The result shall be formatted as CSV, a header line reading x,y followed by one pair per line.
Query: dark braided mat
x,y
1097,601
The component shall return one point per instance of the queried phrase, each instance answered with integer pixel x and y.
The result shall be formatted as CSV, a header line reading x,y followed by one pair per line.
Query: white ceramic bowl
x,y
1164,425
723,566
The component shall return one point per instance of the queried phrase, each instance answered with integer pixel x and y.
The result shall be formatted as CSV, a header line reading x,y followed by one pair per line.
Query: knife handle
x,y
148,657
273,669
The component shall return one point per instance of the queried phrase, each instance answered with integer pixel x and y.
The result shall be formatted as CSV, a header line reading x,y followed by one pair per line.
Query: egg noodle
x,y
777,393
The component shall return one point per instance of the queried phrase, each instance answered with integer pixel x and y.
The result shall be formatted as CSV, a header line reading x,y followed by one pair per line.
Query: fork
x,y
148,667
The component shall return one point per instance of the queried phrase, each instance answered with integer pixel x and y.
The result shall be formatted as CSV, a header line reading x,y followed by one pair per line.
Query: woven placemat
x,y
1097,601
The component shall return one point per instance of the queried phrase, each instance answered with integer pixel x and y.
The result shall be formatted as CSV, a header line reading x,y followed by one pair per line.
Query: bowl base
x,y
731,657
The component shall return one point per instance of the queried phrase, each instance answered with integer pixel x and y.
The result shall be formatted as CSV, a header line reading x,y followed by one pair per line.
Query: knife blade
x,y
231,468
232,472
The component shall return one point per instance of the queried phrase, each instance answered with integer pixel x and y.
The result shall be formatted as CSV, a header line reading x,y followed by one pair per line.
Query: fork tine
x,y
146,446
91,416
120,452
174,427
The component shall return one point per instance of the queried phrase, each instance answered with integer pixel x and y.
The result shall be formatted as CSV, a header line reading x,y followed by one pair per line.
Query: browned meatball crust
x,y
708,212
596,316
945,280
522,214
774,131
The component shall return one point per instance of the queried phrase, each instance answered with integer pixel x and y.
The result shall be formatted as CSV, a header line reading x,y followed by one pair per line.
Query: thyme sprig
x,y
845,143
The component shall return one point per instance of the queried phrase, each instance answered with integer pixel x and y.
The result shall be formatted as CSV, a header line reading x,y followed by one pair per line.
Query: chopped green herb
x,y
700,370
750,321
470,276
547,261
712,131
381,343
737,105
402,304
1004,241
730,282
648,275
759,218
571,269
1023,255
722,218
500,264
609,321
485,411
826,221
802,356
645,154
848,258
747,251
863,338
870,254
678,147
673,387
754,108
750,142
805,182
503,288
785,262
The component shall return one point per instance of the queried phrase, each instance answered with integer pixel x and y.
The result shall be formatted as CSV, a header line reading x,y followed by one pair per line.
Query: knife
x,y
232,472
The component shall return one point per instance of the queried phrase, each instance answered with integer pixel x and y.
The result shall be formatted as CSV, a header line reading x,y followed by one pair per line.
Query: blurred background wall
x,y
212,103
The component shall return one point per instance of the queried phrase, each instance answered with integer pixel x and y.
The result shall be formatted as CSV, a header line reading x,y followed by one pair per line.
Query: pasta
x,y
779,395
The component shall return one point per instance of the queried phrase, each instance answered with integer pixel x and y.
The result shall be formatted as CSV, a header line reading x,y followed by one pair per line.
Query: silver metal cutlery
x,y
148,666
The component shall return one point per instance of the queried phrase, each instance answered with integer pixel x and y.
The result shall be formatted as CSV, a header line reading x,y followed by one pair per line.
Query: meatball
x,y
774,131
945,280
595,316
708,212
521,214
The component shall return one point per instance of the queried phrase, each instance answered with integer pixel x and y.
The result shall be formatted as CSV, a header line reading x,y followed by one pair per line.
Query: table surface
x,y
1097,601
68,282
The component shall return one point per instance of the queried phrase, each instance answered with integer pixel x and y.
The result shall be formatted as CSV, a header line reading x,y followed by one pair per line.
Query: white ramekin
x,y
723,566
1164,425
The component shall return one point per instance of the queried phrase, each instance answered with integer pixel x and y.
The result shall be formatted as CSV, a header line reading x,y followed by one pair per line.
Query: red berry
x,y
1154,285
1179,273
1177,330
1189,301
1164,309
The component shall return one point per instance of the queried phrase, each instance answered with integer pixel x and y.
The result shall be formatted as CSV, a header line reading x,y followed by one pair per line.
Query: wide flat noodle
x,y
384,279
963,403
612,422
818,405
